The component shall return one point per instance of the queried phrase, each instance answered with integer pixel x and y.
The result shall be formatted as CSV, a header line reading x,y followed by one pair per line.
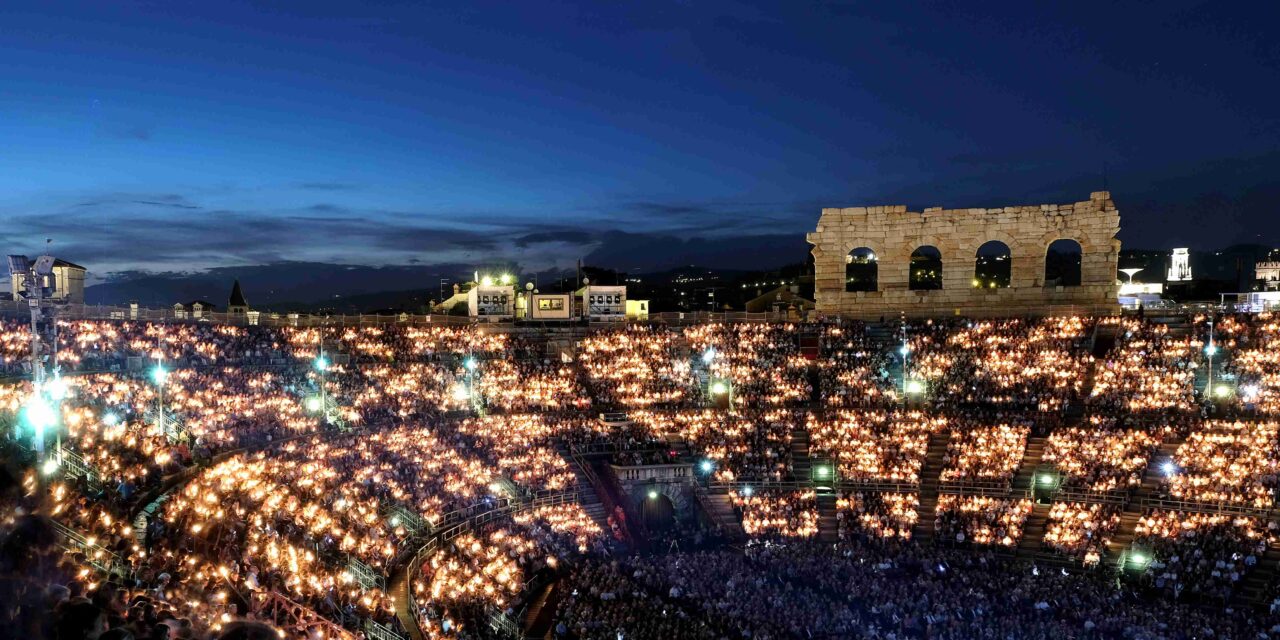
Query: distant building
x,y
236,304
637,309
455,301
67,282
194,309
1266,276
491,302
603,302
780,299
1180,265
549,306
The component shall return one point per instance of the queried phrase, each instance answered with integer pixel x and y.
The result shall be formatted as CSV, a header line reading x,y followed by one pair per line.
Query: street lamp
x,y
39,415
1210,351
722,387
159,376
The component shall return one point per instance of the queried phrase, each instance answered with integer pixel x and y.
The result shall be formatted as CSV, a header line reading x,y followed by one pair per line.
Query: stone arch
x,y
862,270
1063,260
925,268
672,492
993,265
658,512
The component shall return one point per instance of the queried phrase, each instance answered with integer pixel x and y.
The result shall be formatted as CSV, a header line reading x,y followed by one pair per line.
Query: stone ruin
x,y
893,234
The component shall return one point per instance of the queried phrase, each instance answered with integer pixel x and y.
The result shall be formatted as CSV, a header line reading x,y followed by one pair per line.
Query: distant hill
x,y
282,286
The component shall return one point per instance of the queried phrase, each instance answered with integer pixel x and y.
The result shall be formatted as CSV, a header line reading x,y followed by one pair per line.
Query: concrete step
x,y
828,523
1034,528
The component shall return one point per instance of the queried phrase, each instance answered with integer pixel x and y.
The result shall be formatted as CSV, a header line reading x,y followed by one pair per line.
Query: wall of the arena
x,y
893,234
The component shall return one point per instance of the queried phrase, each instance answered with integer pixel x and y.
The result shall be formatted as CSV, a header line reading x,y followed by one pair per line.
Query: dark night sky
x,y
168,136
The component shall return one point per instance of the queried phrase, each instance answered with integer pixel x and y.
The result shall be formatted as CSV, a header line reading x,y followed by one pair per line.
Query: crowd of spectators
x,y
1019,364
980,520
1235,462
1201,555
877,514
1151,371
984,453
1081,530
880,445
1100,458
855,368
777,513
313,483
741,446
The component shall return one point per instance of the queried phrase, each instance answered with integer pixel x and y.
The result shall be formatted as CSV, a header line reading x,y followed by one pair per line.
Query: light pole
x,y
1210,351
322,365
904,350
159,376
470,365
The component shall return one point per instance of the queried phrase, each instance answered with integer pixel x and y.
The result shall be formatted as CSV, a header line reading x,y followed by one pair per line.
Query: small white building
x,y
603,303
637,309
493,302
1180,265
1267,274
550,306
66,281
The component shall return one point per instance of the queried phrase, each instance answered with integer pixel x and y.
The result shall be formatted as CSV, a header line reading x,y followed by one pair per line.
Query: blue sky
x,y
172,136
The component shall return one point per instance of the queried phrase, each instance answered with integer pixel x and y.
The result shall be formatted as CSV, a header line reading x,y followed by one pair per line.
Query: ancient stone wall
x,y
894,233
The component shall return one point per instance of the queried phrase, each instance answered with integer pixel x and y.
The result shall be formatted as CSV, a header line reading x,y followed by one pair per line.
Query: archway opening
x,y
657,512
861,271
993,266
1062,263
926,269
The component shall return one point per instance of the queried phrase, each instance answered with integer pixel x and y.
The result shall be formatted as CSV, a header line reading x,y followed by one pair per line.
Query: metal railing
x,y
1082,495
96,555
377,631
364,575
74,466
399,516
1174,504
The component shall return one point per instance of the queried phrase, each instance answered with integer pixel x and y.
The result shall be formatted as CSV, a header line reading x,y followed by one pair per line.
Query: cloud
x,y
546,237
328,186
174,205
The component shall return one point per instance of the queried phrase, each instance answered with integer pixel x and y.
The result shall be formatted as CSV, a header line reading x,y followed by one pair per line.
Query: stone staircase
x,y
1104,340
1031,457
929,473
1123,537
587,496
399,590
1034,529
801,464
534,624
828,524
719,508
1155,474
